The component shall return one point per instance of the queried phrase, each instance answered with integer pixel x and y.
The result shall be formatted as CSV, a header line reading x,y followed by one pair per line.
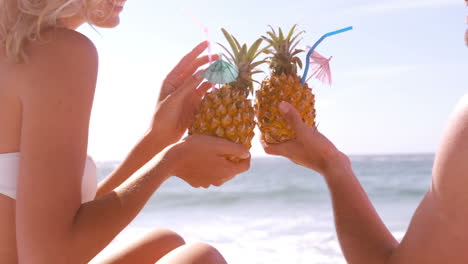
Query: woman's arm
x,y
52,224
57,97
96,223
144,150
168,129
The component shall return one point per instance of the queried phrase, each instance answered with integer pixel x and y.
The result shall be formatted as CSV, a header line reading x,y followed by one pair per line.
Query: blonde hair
x,y
22,21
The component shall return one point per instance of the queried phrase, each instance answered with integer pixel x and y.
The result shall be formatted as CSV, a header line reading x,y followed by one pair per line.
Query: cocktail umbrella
x,y
221,72
320,68
311,51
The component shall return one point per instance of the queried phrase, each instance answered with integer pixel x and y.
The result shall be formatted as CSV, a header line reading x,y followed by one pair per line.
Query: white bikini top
x,y
9,170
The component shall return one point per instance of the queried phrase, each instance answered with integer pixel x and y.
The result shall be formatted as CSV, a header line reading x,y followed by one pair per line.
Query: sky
x,y
396,77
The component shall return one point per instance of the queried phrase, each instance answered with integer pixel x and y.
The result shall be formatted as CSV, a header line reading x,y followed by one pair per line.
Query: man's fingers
x,y
291,115
272,149
277,149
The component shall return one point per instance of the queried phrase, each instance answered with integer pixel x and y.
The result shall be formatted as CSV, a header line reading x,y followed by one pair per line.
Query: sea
x,y
278,212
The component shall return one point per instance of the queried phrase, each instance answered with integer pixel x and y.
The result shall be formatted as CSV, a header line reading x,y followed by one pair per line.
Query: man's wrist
x,y
336,163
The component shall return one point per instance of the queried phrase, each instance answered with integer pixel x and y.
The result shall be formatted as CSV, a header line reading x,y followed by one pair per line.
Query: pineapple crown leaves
x,y
244,58
283,53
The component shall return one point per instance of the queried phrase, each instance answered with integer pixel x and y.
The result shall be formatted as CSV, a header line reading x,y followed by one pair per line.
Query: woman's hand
x,y
179,96
310,149
201,160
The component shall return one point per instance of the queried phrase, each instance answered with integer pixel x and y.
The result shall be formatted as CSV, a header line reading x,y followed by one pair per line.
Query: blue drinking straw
x,y
306,70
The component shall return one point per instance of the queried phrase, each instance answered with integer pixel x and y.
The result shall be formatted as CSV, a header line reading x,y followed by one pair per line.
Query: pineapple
x,y
283,85
227,112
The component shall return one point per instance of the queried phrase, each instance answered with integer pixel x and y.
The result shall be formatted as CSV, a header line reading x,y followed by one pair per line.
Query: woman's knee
x,y
164,238
207,253
197,253
148,249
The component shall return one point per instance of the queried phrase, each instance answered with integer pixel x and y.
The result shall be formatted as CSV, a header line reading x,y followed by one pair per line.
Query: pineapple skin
x,y
273,91
225,113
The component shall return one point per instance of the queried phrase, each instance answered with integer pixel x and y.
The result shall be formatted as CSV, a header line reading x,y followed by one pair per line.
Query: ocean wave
x,y
184,198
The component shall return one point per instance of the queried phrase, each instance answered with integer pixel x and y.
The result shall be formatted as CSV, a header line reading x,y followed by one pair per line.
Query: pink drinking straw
x,y
205,29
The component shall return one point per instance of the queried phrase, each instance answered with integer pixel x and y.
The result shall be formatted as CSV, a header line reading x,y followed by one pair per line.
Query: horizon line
x,y
351,155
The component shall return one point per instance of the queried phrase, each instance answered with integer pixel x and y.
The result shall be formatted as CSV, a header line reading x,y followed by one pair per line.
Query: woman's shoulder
x,y
62,62
61,44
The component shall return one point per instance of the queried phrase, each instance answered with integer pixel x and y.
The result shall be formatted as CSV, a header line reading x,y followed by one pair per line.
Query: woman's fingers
x,y
241,166
202,89
184,70
177,81
232,169
186,61
195,64
219,146
222,181
176,77
229,171
227,148
192,83
205,163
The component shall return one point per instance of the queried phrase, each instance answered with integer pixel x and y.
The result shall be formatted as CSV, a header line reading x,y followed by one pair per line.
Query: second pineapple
x,y
284,84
